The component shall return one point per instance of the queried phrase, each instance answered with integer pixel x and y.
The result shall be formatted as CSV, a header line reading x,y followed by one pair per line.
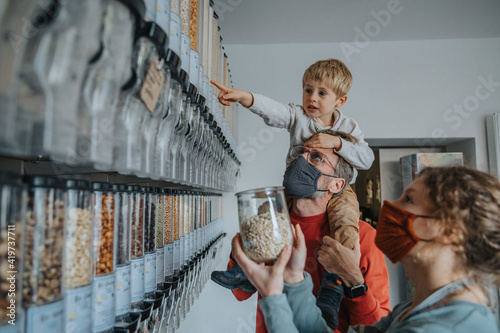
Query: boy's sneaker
x,y
233,278
329,297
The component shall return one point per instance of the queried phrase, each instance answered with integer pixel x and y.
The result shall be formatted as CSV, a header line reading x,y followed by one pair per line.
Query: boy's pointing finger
x,y
220,86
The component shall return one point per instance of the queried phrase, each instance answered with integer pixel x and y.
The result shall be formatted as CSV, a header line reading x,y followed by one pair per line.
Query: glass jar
x,y
182,174
103,79
215,47
182,238
13,208
137,246
15,136
149,241
134,104
123,269
159,236
43,254
163,14
203,31
195,142
180,128
150,14
160,74
171,118
194,60
168,234
264,223
103,317
176,218
210,49
185,40
78,256
175,26
60,62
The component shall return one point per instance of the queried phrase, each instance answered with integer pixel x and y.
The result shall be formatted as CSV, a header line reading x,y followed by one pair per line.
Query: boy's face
x,y
319,101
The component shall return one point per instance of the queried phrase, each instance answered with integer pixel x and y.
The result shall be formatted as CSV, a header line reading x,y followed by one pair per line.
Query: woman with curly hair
x,y
444,229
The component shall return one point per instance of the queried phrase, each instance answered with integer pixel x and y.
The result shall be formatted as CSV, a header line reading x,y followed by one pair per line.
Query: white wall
x,y
401,90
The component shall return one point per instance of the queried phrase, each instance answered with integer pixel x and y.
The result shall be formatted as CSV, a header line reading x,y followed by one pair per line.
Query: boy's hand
x,y
342,261
322,140
228,95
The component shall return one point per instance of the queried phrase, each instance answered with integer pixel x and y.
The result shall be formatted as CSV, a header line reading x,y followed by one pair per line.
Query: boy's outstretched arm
x,y
228,95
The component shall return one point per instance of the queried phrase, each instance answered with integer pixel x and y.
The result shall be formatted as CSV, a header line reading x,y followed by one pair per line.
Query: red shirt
x,y
364,310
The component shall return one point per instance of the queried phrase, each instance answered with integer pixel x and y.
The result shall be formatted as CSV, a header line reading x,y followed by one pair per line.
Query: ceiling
x,y
333,21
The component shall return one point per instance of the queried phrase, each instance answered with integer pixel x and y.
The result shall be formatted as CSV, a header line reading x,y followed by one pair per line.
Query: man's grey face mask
x,y
301,179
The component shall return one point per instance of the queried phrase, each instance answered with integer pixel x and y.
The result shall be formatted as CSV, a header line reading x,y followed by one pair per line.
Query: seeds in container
x,y
265,235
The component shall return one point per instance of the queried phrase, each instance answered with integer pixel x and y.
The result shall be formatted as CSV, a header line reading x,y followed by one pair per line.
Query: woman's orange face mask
x,y
395,234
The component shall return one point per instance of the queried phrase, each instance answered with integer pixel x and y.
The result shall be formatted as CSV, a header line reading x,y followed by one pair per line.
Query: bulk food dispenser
x,y
12,220
43,255
175,26
78,237
103,314
137,257
106,73
141,94
123,197
63,37
172,106
153,94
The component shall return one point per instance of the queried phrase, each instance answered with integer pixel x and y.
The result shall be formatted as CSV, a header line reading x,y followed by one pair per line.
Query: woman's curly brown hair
x,y
467,201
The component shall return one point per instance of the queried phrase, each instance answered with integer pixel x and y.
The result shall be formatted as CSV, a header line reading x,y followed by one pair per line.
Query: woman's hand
x,y
294,270
232,95
322,140
342,261
267,279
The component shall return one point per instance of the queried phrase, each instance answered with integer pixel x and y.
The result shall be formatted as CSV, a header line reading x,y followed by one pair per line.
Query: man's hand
x,y
322,140
294,270
228,95
267,279
342,261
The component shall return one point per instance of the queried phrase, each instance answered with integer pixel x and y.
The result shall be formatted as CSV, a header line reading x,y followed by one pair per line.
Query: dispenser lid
x,y
79,184
101,186
183,78
192,91
157,36
121,188
44,181
173,61
200,100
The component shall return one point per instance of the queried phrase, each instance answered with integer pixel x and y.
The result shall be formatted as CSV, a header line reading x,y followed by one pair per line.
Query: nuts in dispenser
x,y
44,241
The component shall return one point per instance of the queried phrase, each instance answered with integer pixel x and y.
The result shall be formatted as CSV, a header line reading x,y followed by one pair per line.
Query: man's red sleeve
x,y
375,304
238,293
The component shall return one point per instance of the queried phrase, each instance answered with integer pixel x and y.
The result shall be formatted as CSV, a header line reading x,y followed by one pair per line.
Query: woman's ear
x,y
336,185
453,237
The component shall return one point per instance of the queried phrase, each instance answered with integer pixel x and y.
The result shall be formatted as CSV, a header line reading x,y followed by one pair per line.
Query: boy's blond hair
x,y
331,72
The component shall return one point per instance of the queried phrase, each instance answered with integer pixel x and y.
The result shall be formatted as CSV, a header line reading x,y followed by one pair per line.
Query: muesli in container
x,y
264,223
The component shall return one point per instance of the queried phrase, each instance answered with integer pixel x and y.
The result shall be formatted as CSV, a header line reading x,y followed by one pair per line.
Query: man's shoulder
x,y
365,228
366,234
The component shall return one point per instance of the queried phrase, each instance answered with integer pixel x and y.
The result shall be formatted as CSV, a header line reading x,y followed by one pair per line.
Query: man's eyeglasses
x,y
313,156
